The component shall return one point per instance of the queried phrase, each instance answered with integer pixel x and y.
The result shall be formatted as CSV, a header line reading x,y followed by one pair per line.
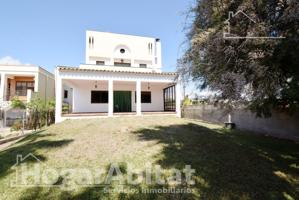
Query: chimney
x,y
158,54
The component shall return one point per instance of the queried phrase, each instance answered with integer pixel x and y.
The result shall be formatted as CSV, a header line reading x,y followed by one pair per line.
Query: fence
x,y
28,119
2,118
279,125
13,115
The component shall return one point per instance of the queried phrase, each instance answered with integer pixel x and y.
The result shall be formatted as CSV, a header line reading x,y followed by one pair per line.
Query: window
x,y
142,65
65,94
122,64
23,86
100,62
99,96
150,48
91,42
169,98
146,97
122,50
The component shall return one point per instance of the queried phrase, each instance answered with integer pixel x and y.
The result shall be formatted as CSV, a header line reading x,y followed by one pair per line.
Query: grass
x,y
228,164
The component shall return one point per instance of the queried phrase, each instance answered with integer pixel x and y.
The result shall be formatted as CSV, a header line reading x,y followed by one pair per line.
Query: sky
x,y
52,32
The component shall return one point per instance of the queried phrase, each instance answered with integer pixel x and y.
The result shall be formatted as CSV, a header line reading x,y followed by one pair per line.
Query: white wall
x,y
46,85
43,78
278,125
69,97
106,47
82,95
157,103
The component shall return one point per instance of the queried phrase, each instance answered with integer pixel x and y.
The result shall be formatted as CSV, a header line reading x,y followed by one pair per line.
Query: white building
x,y
112,49
23,80
122,74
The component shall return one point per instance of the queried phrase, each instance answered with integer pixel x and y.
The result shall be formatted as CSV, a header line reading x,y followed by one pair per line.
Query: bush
x,y
65,108
187,101
41,113
17,125
17,103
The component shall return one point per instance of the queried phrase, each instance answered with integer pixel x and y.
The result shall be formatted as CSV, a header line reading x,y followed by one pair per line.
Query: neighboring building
x,y
22,81
122,74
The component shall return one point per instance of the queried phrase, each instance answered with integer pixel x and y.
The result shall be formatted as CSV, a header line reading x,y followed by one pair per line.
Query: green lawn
x,y
228,164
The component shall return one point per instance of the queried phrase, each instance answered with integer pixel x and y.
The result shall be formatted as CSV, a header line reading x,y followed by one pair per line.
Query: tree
x,y
17,103
260,73
40,112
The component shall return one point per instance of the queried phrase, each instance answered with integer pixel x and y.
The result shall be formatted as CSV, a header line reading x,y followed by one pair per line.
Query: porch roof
x,y
68,68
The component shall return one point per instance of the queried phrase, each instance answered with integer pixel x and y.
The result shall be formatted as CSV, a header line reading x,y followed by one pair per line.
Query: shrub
x,y
187,101
17,103
41,113
65,108
17,125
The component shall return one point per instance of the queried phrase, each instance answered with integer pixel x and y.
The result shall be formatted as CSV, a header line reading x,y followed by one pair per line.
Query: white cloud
x,y
9,61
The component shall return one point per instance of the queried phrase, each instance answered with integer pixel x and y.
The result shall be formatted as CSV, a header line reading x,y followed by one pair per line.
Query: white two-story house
x,y
121,74
22,81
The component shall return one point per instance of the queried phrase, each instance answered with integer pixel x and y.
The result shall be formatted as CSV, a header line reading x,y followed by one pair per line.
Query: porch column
x,y
138,97
58,94
2,86
110,98
29,95
73,99
36,83
178,99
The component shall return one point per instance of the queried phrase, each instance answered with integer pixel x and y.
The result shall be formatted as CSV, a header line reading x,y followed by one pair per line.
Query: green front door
x,y
122,101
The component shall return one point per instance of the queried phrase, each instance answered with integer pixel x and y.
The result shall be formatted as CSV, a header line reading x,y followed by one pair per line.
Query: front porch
x,y
94,98
17,85
135,94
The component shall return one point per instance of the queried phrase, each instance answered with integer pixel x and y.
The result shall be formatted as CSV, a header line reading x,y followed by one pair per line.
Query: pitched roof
x,y
68,68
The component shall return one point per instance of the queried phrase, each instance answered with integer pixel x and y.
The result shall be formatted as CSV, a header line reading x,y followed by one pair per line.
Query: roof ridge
x,y
105,70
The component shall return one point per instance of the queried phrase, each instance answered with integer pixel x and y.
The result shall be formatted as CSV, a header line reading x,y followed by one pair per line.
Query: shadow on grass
x,y
94,192
228,164
33,136
29,144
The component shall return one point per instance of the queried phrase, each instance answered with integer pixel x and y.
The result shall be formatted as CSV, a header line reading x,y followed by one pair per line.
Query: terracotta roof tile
x,y
68,68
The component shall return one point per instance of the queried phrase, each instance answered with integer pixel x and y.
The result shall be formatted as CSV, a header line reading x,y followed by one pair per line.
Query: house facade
x,y
121,74
22,81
